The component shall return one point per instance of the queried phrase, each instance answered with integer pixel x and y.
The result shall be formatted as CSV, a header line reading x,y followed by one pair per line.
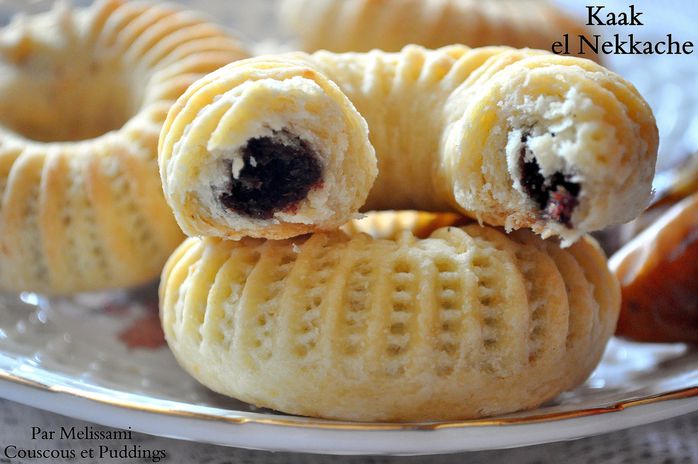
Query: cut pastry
x,y
513,138
268,148
362,25
83,95
466,323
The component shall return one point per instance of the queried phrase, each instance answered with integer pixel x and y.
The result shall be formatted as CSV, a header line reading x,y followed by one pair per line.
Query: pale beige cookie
x,y
363,25
466,323
83,95
276,146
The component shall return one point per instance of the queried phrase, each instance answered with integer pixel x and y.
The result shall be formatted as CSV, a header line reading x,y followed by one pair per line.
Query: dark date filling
x,y
556,196
278,173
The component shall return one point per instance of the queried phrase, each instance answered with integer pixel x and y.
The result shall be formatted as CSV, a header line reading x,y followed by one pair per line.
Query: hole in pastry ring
x,y
466,322
84,96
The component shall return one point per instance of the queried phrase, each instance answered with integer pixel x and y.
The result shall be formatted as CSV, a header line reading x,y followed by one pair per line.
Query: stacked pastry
x,y
399,316
282,296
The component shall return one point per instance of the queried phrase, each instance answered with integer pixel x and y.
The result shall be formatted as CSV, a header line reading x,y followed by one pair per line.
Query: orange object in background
x,y
658,271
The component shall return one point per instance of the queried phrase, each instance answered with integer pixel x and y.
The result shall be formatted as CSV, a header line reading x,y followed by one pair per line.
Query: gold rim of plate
x,y
309,422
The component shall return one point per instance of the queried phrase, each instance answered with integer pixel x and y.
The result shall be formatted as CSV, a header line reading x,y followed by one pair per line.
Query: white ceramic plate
x,y
110,366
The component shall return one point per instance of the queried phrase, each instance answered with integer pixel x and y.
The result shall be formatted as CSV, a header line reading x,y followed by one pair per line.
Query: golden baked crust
x,y
513,138
363,25
467,323
83,96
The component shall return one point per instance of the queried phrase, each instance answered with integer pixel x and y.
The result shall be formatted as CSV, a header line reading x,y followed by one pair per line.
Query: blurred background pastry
x,y
389,25
658,271
83,95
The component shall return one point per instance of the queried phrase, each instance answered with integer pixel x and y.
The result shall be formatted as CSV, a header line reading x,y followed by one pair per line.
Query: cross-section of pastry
x,y
362,25
467,322
658,271
83,95
514,138
265,148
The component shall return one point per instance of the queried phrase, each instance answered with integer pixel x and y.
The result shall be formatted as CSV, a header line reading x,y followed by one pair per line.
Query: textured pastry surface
x,y
514,138
658,271
468,322
362,25
83,95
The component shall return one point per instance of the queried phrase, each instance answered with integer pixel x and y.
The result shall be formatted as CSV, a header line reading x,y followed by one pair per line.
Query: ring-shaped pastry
x,y
465,322
83,95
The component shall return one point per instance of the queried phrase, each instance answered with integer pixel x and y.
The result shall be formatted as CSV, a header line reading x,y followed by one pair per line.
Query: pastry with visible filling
x,y
513,138
83,95
265,148
464,322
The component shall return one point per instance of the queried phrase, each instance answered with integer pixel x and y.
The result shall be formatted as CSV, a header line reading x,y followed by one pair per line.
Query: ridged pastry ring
x,y
276,146
83,95
466,322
